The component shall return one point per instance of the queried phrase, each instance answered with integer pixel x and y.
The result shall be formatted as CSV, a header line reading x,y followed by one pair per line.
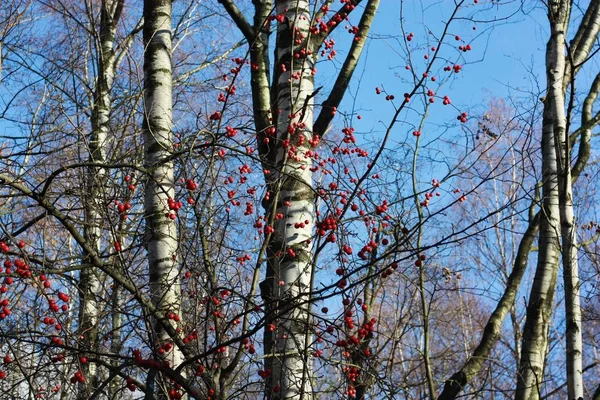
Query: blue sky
x,y
498,65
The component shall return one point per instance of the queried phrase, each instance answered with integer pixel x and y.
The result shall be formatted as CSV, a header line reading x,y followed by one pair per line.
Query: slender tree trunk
x,y
492,330
262,112
283,117
116,343
90,283
571,281
580,47
535,335
574,356
161,232
291,362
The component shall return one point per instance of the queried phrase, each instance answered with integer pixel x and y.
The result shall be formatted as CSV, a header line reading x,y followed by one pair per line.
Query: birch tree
x,y
268,213
557,211
293,182
283,113
161,236
90,282
535,334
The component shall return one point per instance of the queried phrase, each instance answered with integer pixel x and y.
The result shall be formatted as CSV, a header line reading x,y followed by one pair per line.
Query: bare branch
x,y
207,64
491,332
587,123
586,35
345,75
127,42
333,23
236,15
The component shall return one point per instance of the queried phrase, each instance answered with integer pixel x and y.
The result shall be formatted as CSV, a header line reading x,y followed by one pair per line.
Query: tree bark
x,y
580,48
492,330
291,362
283,118
535,335
572,285
161,232
574,354
90,282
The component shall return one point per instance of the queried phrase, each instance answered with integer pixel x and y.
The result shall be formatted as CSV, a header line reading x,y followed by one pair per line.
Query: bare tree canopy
x,y
299,199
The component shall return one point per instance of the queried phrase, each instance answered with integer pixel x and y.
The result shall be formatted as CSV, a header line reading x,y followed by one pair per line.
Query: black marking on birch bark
x,y
154,235
156,71
156,275
299,189
155,148
276,244
284,41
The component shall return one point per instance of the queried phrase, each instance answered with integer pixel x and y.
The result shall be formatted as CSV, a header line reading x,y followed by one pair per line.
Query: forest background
x,y
294,199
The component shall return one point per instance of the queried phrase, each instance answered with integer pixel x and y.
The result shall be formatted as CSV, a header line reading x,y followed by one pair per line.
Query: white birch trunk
x,y
574,355
539,309
580,47
90,285
292,366
116,343
571,281
161,232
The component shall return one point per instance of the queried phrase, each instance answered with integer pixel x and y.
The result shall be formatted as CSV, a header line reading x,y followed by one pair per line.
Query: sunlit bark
x,y
291,361
91,285
161,234
539,308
